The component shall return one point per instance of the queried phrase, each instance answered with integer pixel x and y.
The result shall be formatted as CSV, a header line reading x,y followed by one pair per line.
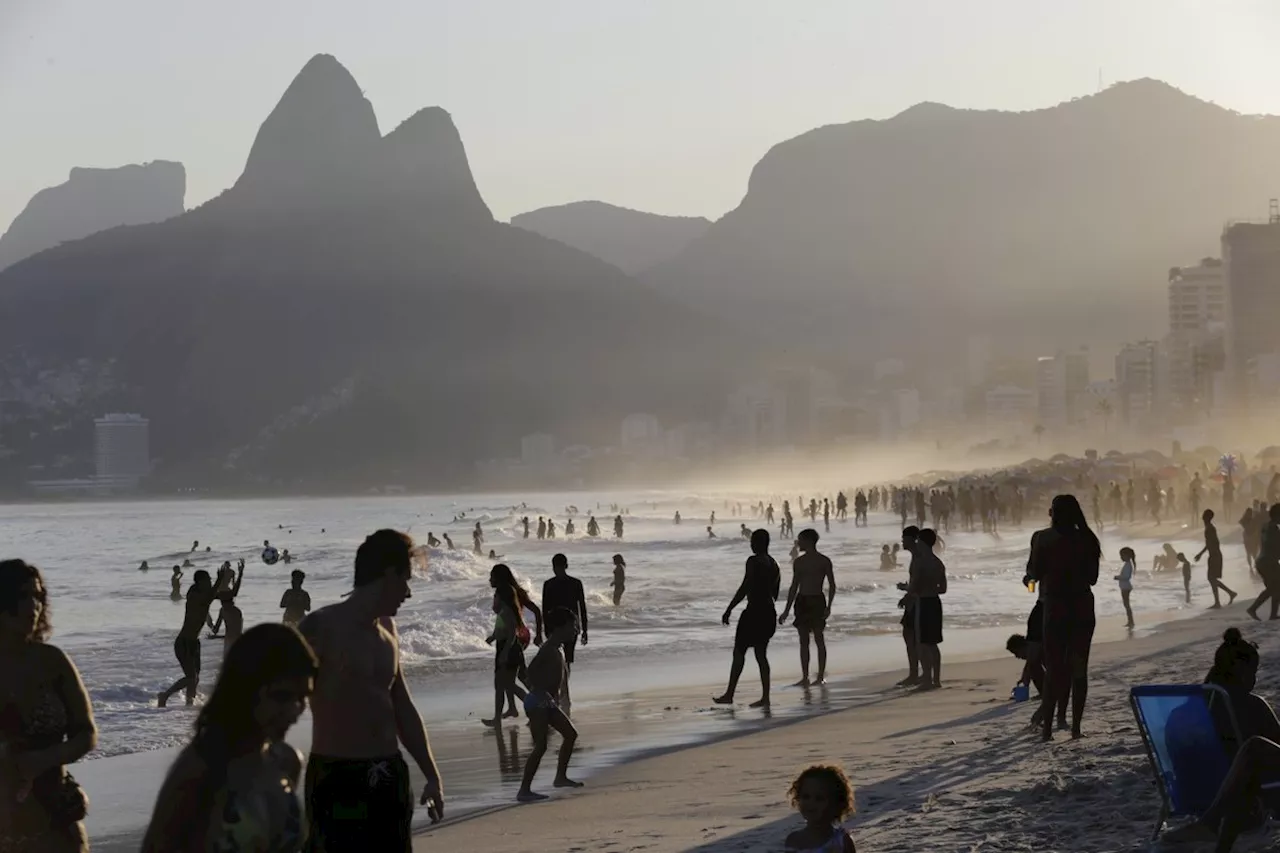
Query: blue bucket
x,y
1021,693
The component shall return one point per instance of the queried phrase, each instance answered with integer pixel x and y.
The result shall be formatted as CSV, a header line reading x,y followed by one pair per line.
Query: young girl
x,y
509,638
823,796
1126,580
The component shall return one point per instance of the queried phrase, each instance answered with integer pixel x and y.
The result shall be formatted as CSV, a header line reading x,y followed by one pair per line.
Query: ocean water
x,y
118,623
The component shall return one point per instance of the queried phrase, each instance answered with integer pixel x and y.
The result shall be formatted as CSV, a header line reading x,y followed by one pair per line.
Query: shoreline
x,y
875,730
624,715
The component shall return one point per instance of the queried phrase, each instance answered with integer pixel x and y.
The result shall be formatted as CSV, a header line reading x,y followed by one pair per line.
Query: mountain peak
x,y
424,160
322,124
92,200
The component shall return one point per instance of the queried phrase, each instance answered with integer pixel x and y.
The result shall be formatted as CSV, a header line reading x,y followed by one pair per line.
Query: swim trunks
x,y
811,613
929,620
187,651
540,700
756,627
358,805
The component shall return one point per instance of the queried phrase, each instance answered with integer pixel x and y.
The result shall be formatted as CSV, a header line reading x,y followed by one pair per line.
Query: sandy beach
x,y
952,770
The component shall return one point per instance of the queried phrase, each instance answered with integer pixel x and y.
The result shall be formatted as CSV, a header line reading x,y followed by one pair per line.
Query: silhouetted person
x,y
760,586
809,571
1064,560
1214,550
1268,564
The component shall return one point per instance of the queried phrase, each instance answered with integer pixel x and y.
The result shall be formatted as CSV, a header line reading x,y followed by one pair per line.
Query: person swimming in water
x,y
433,542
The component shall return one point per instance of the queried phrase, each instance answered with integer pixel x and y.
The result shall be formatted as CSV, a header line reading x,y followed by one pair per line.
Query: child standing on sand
x,y
1125,579
823,796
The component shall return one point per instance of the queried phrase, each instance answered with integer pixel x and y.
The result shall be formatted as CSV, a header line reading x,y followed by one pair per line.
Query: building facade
x,y
122,448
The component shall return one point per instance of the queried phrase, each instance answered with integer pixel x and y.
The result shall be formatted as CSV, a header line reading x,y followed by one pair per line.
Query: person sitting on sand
x,y
1235,669
1167,560
548,675
824,797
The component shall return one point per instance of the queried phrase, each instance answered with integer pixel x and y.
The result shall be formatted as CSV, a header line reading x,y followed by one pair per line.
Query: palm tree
x,y
1106,410
1038,429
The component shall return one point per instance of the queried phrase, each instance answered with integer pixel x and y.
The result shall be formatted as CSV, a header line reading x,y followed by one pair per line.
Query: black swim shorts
x,y
358,805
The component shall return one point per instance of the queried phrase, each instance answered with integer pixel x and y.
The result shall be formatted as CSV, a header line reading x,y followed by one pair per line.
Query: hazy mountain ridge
x,y
631,240
93,200
945,220
364,262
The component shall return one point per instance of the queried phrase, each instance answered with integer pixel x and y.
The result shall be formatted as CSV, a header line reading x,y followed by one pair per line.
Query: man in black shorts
x,y
927,584
809,571
908,606
563,594
186,648
359,796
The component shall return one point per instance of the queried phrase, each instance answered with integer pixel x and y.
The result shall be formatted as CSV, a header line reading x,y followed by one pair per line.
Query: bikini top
x,y
263,815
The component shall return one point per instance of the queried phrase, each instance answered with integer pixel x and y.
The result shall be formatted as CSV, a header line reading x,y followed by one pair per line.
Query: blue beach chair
x,y
1183,744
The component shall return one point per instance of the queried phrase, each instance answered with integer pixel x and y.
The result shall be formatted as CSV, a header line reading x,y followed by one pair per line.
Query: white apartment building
x,y
122,448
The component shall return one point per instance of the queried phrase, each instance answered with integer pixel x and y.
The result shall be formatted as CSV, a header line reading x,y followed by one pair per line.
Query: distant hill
x,y
349,313
631,240
94,200
1050,226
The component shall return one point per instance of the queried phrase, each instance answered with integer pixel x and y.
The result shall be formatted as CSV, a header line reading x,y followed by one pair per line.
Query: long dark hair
x,y
509,596
19,580
264,654
501,575
1069,520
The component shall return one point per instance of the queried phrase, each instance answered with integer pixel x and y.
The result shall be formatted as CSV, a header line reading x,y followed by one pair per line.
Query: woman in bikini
x,y
46,723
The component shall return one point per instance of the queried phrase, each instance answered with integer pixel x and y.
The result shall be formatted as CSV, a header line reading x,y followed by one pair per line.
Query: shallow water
x,y
119,623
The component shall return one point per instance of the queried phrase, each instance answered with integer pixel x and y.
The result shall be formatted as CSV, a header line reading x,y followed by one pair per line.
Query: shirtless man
x,y
358,792
927,585
548,674
186,648
296,601
808,573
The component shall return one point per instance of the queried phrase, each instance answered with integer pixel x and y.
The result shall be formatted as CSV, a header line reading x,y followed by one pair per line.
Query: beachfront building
x,y
1197,297
1061,383
642,433
1010,406
1251,264
1142,383
122,449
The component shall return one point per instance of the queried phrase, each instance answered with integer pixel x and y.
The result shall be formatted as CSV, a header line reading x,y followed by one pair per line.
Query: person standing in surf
x,y
809,571
186,647
760,587
563,594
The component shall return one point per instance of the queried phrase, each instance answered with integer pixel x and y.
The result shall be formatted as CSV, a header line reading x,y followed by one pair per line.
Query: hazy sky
x,y
661,105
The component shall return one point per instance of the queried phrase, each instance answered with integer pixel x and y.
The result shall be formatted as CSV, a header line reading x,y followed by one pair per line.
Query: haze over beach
x,y
436,300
